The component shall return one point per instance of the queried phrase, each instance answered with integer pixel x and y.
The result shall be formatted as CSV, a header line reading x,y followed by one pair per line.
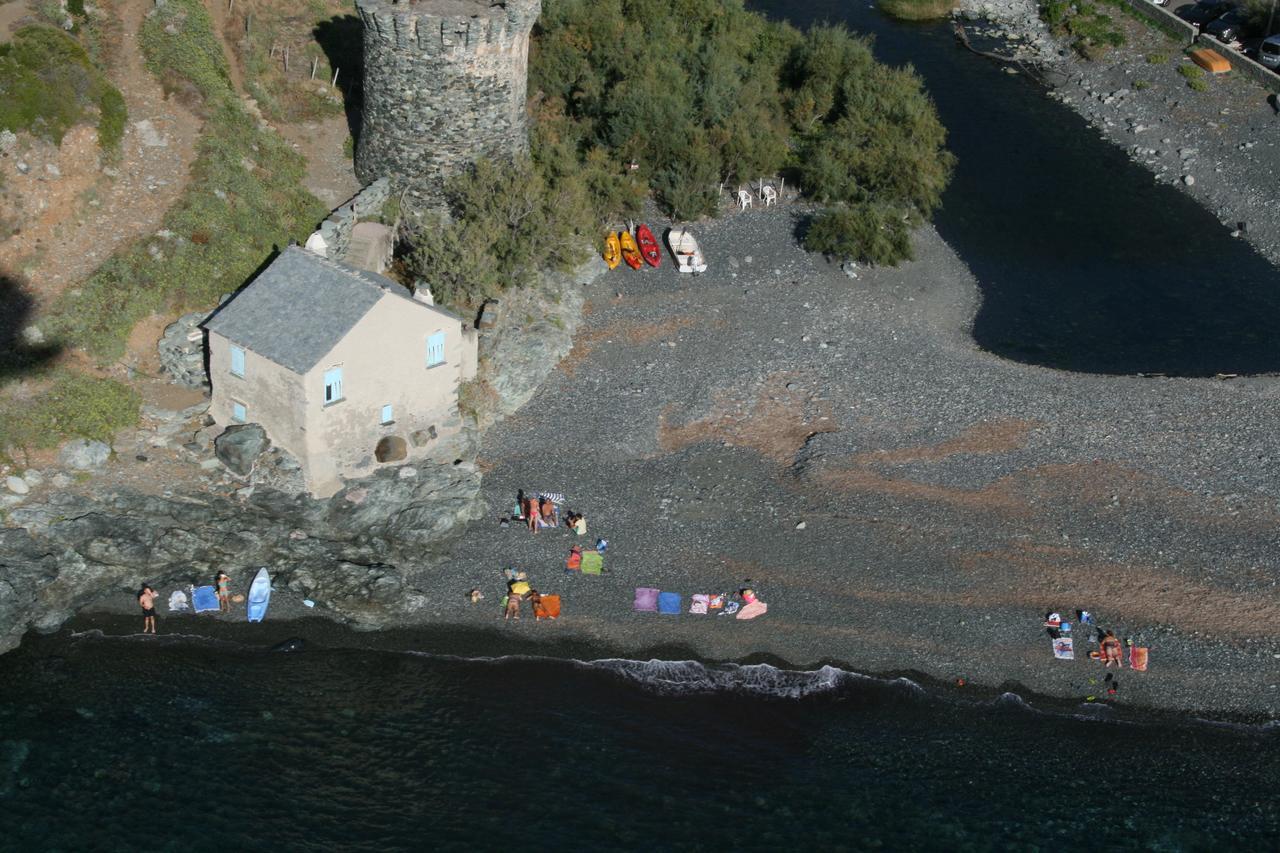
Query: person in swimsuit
x,y
223,583
550,516
147,598
1112,651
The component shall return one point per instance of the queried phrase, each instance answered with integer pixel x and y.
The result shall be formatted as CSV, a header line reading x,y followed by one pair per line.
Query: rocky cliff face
x,y
353,553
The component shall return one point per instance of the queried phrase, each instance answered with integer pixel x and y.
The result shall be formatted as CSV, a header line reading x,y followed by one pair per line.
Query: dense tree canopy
x,y
697,92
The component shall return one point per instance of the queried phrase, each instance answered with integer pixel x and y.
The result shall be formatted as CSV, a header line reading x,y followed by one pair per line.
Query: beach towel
x,y
669,603
752,610
716,602
646,599
1138,658
204,598
699,604
547,608
1064,648
554,497
519,588
178,601
592,562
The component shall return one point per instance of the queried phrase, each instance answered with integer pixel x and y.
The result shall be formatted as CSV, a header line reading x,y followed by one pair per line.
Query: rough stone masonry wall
x,y
445,82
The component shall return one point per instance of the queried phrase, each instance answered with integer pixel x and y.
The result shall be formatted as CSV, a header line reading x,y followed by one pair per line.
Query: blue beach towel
x,y
204,598
669,602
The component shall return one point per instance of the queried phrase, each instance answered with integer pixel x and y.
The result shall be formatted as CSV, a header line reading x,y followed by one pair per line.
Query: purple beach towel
x,y
646,599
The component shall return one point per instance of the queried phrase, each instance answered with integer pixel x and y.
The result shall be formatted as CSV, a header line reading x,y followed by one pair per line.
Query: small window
x,y
238,414
435,349
332,385
386,414
237,361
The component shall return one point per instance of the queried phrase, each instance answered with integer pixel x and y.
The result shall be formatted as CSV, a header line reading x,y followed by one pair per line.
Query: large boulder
x,y
84,454
240,446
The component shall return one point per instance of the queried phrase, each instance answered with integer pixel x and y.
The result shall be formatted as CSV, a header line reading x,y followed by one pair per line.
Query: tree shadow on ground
x,y
342,40
17,355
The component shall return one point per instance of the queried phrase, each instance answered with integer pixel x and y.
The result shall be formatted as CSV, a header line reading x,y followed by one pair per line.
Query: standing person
x,y
223,583
147,599
513,607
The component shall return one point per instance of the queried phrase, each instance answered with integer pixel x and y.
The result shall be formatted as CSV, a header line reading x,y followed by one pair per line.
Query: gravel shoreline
x,y
1221,146
902,500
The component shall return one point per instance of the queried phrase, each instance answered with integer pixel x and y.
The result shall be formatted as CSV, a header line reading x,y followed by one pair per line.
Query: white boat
x,y
685,250
259,595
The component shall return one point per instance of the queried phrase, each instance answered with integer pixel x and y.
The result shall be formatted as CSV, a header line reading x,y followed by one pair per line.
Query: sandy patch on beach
x,y
774,420
1040,576
1002,436
635,334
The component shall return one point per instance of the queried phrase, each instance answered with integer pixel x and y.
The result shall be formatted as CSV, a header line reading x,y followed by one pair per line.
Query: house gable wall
x,y
383,361
273,396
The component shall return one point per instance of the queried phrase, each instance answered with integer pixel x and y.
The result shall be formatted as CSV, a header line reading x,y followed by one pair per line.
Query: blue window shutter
x,y
333,385
237,361
386,414
435,349
238,413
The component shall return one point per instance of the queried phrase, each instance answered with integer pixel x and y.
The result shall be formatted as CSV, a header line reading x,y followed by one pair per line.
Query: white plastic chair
x,y
744,199
770,195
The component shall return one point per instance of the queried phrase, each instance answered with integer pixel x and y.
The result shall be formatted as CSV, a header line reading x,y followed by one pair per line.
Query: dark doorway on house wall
x,y
391,449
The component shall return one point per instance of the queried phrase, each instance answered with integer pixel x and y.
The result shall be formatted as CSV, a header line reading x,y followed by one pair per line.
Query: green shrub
x,y
1199,84
73,405
917,10
1139,85
48,85
508,222
1157,58
1091,32
877,234
720,94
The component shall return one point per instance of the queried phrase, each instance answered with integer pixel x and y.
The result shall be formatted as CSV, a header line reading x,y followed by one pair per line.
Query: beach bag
x,y
1138,658
669,603
574,562
548,607
716,602
698,604
646,599
592,562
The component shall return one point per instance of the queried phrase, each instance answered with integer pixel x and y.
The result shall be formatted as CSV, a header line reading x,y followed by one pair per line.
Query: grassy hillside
x,y
48,85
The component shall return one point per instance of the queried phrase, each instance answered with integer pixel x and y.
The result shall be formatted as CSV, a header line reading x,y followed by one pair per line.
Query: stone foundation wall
x,y
445,82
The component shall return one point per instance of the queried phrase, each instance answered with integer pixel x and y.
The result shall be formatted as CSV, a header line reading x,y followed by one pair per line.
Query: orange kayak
x,y
630,252
612,252
648,245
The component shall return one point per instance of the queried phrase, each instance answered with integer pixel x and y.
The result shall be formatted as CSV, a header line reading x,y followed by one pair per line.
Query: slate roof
x,y
300,306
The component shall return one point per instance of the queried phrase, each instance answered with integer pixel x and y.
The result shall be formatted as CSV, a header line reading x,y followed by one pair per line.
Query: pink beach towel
x,y
752,610
698,604
646,599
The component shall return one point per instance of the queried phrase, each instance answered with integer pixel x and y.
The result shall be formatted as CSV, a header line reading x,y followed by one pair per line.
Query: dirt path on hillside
x,y
75,207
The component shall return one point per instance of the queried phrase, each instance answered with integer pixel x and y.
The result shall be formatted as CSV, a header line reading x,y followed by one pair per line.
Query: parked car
x,y
1203,12
1228,28
1269,52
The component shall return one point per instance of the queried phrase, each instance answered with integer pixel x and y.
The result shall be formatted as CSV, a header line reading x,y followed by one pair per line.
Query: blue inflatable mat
x,y
204,598
669,602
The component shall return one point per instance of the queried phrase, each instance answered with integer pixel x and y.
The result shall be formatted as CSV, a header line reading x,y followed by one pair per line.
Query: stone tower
x,y
445,83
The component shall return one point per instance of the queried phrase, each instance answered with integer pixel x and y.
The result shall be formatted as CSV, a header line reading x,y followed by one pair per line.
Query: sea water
x,y
181,744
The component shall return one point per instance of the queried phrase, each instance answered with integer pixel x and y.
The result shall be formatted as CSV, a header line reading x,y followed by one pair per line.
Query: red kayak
x,y
648,245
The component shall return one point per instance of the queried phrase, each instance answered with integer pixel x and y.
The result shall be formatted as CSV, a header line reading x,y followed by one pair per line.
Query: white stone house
x,y
343,368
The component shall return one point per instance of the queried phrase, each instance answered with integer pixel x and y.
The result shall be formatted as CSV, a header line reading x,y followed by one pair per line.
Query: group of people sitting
x,y
541,511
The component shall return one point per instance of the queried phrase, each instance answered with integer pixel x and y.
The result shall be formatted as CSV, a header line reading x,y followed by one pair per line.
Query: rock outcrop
x,y
354,553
